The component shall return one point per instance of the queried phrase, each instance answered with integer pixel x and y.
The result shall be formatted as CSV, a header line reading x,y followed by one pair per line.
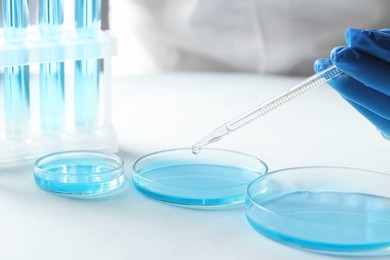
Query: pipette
x,y
268,106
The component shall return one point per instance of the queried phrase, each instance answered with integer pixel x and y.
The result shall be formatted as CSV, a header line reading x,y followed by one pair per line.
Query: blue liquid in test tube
x,y
16,78
87,71
52,82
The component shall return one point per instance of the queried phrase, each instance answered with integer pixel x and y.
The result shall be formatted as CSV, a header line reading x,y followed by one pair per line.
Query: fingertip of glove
x,y
352,34
337,53
362,37
321,64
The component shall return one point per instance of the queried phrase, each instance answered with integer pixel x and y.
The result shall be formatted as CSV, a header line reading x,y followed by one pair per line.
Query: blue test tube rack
x,y
61,128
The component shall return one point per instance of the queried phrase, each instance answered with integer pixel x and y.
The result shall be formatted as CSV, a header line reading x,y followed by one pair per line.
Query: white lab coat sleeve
x,y
265,36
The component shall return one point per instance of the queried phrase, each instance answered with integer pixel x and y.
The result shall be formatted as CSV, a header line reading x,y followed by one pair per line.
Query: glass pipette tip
x,y
268,106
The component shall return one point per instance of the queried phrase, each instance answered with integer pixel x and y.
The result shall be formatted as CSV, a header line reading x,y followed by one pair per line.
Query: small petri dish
x,y
80,173
330,210
213,177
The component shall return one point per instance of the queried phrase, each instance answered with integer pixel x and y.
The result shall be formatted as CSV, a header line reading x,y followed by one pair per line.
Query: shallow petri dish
x,y
80,173
331,210
213,177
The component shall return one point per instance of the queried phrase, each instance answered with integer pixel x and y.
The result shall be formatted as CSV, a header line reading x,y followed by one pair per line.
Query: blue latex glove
x,y
366,82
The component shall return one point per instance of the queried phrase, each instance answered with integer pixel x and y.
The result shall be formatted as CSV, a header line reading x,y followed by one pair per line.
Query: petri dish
x,y
214,177
331,210
80,173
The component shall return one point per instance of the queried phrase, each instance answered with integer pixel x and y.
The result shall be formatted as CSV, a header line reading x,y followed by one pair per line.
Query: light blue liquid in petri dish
x,y
194,184
325,220
78,176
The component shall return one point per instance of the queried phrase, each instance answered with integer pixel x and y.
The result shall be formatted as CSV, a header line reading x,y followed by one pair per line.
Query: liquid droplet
x,y
196,150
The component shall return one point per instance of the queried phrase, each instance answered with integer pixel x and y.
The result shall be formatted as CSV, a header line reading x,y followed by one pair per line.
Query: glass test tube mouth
x,y
88,17
51,19
15,20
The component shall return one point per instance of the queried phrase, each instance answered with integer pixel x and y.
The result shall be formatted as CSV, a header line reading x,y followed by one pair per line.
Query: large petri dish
x,y
213,177
331,210
80,173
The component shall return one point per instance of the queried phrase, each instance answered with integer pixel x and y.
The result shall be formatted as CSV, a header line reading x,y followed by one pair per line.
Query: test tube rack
x,y
73,135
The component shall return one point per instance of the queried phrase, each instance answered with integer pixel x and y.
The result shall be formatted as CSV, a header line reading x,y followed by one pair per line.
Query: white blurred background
x,y
133,57
249,36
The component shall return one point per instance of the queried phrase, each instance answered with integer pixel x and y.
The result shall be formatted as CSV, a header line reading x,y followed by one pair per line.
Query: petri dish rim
x,y
337,249
137,178
85,153
87,185
269,174
136,162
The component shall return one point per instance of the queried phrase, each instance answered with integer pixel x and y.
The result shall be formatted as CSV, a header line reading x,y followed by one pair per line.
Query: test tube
x,y
88,18
52,81
16,77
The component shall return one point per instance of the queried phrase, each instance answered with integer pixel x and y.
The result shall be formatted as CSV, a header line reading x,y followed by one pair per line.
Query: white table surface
x,y
157,112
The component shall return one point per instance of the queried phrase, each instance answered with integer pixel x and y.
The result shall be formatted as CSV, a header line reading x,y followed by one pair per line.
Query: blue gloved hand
x,y
366,82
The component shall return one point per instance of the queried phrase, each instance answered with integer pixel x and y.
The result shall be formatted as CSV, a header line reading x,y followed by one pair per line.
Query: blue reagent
x,y
88,17
325,221
75,177
16,78
52,97
17,101
52,80
87,93
51,18
87,72
15,20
